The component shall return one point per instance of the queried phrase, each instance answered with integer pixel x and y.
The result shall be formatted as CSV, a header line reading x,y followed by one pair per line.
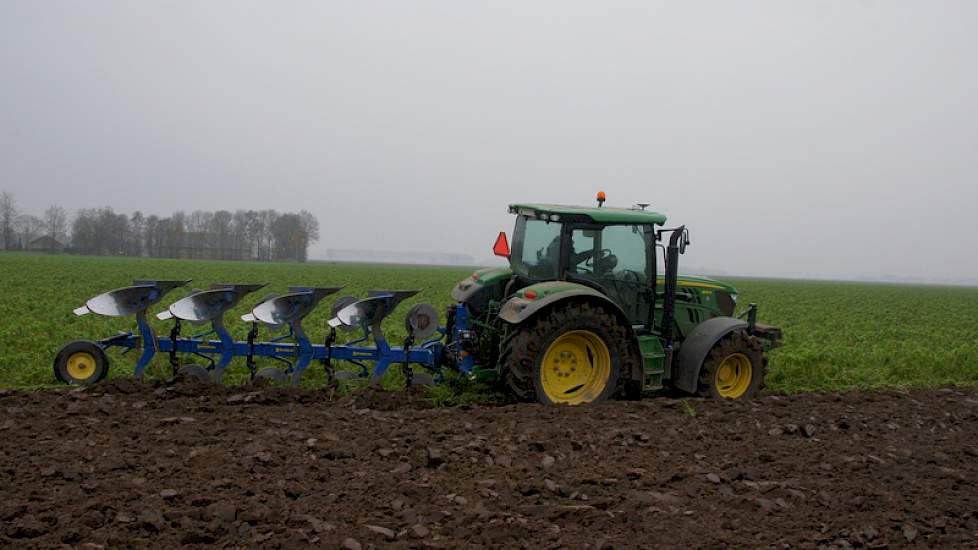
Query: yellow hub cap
x,y
81,365
734,376
575,368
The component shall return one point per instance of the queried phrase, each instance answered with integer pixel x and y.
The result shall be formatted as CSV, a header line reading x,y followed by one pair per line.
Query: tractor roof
x,y
596,214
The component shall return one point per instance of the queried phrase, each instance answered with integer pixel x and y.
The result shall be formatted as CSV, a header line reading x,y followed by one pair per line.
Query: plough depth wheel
x,y
81,363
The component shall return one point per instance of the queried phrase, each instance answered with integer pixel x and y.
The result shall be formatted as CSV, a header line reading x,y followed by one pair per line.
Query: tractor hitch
x,y
771,337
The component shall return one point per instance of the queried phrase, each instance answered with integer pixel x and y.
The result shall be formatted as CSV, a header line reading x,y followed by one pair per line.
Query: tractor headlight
x,y
734,298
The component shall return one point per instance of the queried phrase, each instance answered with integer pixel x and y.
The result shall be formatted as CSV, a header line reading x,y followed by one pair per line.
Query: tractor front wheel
x,y
734,368
81,363
571,354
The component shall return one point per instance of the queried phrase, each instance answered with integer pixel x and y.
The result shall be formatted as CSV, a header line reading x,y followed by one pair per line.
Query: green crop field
x,y
837,335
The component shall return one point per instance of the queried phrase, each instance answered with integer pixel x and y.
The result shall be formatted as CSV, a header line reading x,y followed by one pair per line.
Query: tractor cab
x,y
609,249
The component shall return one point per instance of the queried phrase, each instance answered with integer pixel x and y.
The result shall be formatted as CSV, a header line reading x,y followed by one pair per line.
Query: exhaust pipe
x,y
669,301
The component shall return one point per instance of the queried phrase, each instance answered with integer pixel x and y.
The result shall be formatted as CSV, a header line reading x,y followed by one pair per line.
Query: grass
x,y
863,335
837,335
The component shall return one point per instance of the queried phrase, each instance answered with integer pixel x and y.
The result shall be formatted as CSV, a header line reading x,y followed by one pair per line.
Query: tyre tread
x,y
521,347
737,341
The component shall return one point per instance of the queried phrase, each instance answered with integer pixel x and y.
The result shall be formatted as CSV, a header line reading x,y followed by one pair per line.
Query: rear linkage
x,y
85,362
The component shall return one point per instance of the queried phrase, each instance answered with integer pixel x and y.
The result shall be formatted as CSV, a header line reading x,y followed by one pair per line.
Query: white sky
x,y
826,139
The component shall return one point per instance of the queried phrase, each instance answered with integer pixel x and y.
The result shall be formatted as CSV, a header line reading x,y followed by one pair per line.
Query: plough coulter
x,y
581,314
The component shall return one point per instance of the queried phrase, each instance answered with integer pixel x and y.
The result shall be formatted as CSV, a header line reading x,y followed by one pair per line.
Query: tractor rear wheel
x,y
81,363
571,354
734,368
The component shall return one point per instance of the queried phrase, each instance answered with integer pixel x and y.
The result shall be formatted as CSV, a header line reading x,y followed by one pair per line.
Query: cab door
x,y
619,260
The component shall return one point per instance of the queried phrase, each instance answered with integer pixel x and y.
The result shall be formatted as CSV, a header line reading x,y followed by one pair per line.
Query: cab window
x,y
536,247
615,251
615,257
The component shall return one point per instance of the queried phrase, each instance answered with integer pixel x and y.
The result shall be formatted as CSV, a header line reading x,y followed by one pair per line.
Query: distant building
x,y
46,243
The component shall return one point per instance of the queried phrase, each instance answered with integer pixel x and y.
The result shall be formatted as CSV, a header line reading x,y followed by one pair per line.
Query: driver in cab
x,y
581,257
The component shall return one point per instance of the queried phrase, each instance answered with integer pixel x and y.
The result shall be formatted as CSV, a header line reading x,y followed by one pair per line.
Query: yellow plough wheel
x,y
576,368
734,376
81,365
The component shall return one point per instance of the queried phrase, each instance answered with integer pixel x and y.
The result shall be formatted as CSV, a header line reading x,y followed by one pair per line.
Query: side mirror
x,y
684,241
501,248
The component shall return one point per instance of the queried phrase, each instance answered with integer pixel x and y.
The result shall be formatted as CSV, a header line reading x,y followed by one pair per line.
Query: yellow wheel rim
x,y
734,375
575,368
81,365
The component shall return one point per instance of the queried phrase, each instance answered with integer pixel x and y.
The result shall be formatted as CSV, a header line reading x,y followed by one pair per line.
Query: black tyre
x,y
198,373
734,369
81,363
572,354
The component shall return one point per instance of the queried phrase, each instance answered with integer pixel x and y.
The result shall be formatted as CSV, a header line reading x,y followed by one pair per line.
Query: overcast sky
x,y
819,139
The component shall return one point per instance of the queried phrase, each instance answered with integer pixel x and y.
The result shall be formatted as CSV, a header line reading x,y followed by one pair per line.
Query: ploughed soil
x,y
123,465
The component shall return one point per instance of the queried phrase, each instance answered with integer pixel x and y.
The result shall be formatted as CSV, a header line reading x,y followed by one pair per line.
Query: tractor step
x,y
653,361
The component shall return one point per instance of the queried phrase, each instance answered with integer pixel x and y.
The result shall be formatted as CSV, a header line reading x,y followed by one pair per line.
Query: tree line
x,y
220,235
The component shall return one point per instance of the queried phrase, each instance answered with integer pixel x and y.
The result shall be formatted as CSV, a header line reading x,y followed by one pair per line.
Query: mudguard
x,y
520,308
478,281
692,353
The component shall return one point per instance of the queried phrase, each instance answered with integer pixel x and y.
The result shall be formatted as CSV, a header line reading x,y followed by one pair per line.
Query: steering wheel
x,y
602,254
631,276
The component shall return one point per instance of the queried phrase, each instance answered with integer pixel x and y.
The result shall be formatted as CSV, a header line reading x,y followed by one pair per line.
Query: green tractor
x,y
583,313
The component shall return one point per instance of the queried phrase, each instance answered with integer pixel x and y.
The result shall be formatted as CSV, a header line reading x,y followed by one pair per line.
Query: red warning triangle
x,y
501,248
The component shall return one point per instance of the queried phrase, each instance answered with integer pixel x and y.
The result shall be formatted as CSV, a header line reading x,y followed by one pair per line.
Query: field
x,y
124,465
838,335
170,463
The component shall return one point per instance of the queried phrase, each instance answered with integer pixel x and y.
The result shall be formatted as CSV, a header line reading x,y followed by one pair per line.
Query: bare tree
x,y
174,235
310,225
152,236
30,228
137,227
56,223
220,233
289,238
265,236
8,219
83,235
239,235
